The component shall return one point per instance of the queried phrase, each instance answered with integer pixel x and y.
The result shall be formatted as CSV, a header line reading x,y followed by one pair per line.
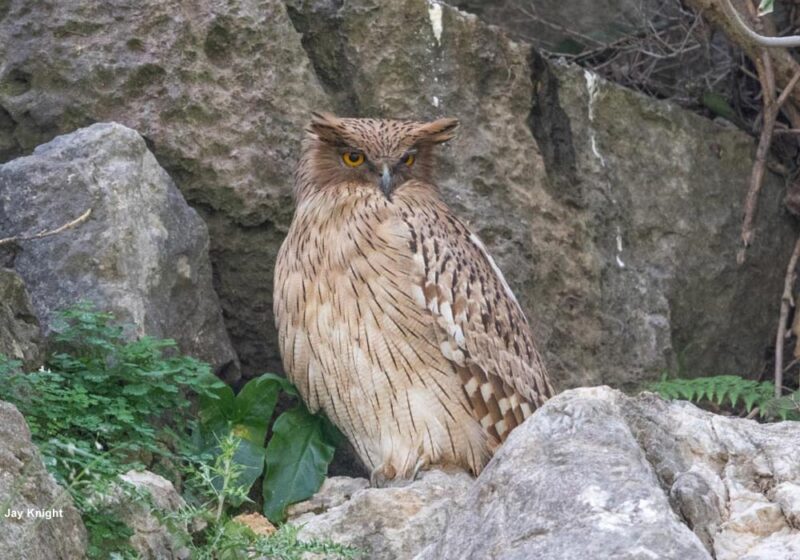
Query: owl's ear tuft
x,y
326,126
438,131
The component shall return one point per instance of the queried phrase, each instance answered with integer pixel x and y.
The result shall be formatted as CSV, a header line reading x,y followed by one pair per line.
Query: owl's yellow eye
x,y
353,159
409,159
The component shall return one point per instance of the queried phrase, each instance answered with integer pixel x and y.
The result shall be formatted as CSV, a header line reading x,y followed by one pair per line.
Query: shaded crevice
x,y
551,128
9,145
319,24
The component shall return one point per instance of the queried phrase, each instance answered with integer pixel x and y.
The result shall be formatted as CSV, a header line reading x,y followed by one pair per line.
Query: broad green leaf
x,y
217,408
297,461
255,404
250,458
766,7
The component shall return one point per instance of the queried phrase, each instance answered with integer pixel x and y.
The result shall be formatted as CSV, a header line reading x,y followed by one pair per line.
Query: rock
x,y
571,483
385,523
221,92
20,337
568,28
653,43
334,491
152,539
142,253
593,474
48,525
744,476
256,522
615,217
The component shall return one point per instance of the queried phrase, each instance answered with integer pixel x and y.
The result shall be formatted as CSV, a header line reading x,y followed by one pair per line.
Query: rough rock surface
x,y
20,337
566,26
735,482
27,487
385,523
142,253
563,185
596,474
221,91
151,539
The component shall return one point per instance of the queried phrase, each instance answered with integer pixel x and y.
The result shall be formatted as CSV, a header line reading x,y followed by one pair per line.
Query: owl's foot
x,y
422,464
383,476
386,475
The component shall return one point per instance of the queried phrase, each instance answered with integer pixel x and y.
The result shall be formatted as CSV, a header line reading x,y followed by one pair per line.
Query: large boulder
x,y
614,216
45,524
221,91
142,253
594,474
20,337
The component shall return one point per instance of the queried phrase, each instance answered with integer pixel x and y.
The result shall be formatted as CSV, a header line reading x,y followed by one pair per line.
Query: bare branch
x,y
786,302
77,221
760,40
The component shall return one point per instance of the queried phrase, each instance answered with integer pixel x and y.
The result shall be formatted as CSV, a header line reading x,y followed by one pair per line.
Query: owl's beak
x,y
386,181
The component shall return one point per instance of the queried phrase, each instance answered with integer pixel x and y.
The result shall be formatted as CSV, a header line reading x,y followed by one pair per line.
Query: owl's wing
x,y
480,326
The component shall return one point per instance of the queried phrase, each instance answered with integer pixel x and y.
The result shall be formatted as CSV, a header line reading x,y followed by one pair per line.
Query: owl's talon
x,y
376,478
422,463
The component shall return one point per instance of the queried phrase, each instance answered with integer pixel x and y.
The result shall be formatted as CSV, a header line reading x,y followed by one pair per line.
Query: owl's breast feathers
x,y
414,290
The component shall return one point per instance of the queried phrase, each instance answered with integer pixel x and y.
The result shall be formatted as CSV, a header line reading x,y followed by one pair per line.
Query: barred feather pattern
x,y
395,321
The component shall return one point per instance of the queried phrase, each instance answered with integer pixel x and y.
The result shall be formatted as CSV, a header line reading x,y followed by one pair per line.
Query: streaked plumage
x,y
392,316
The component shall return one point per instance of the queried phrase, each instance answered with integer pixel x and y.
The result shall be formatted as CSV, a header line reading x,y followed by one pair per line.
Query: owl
x,y
392,316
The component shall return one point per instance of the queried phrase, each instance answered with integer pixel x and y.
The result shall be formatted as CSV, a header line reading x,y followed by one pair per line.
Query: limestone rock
x,y
151,539
565,27
142,253
385,523
743,497
592,474
220,90
27,487
20,337
334,491
572,482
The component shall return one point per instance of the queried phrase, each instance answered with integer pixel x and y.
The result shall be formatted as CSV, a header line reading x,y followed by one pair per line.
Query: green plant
x,y
102,406
294,462
732,391
218,485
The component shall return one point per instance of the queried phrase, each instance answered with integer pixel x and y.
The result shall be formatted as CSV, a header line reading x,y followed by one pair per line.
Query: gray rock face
x,y
143,253
592,474
614,216
20,338
572,483
735,482
564,26
222,90
151,539
26,487
388,523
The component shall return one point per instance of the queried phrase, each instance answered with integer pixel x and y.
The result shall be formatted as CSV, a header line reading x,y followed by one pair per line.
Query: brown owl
x,y
392,316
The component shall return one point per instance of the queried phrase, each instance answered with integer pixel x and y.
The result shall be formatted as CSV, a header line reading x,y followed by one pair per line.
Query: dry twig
x,y
786,302
772,108
77,221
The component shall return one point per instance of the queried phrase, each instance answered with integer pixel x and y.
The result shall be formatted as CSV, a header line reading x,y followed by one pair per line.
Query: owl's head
x,y
381,153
